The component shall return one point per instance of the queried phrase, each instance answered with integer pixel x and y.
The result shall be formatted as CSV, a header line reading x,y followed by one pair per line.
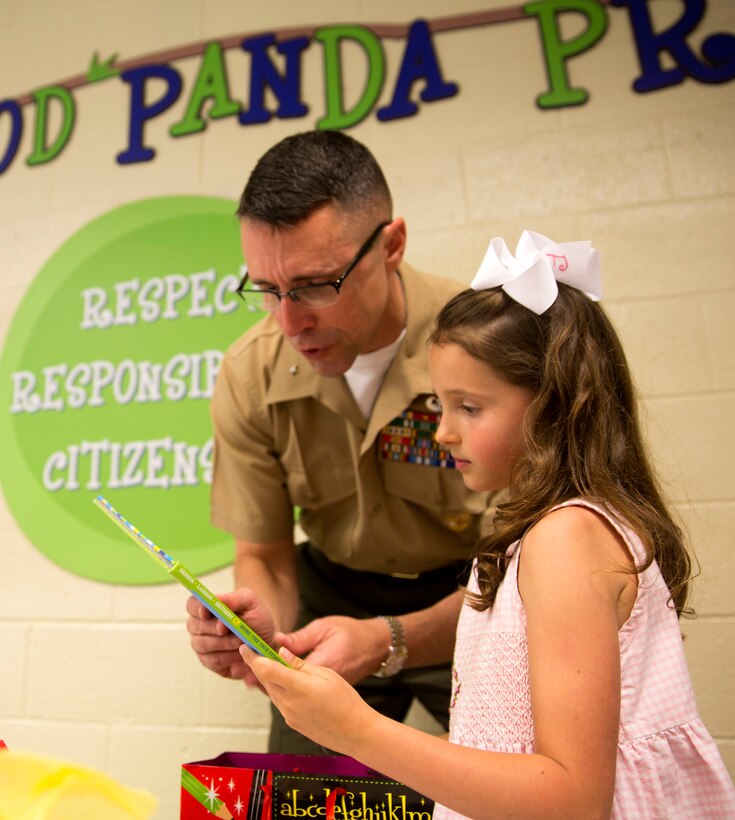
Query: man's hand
x,y
356,648
353,648
216,647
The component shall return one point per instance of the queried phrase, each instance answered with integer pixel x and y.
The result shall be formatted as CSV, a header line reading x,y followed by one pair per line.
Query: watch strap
x,y
397,651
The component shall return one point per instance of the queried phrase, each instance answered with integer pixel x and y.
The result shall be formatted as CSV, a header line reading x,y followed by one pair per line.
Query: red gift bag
x,y
248,786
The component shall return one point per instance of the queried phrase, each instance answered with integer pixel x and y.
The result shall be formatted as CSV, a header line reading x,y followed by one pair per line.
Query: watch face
x,y
393,662
392,665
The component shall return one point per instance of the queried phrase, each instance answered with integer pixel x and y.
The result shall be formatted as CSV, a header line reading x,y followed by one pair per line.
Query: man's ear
x,y
396,243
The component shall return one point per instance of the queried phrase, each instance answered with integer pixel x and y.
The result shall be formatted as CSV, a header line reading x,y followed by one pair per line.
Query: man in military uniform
x,y
325,407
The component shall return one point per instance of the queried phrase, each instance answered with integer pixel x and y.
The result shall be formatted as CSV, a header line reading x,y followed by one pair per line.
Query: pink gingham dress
x,y
667,767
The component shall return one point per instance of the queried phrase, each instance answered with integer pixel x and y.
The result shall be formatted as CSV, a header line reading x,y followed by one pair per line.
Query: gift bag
x,y
248,786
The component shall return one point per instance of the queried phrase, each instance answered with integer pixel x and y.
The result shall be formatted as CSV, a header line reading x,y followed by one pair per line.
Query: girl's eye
x,y
469,410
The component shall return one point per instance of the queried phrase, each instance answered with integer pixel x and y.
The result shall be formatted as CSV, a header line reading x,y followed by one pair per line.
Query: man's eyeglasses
x,y
310,296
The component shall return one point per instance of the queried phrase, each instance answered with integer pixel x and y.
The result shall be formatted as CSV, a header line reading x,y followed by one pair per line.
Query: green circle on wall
x,y
105,380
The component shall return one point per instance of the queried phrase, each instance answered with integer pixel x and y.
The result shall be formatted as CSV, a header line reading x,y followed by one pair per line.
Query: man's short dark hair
x,y
306,171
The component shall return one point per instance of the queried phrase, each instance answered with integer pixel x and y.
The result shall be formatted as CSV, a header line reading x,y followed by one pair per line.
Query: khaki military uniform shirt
x,y
375,495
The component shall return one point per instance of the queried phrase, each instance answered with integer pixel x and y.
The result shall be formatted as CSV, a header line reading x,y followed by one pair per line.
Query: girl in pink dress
x,y
571,696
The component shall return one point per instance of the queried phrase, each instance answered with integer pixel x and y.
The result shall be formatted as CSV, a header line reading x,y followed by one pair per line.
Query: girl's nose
x,y
443,434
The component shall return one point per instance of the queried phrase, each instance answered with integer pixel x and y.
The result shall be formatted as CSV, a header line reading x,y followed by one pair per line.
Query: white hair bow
x,y
530,277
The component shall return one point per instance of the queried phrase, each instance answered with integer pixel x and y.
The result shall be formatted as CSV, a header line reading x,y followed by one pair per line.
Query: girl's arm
x,y
573,608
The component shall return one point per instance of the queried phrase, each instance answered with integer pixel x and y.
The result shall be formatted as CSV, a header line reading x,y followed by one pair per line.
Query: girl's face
x,y
481,416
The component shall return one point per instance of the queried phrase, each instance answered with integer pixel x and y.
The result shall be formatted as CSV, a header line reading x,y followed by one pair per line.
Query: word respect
x,y
159,298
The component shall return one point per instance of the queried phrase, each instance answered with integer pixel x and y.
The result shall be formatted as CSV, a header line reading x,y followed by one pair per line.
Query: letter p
x,y
140,112
558,51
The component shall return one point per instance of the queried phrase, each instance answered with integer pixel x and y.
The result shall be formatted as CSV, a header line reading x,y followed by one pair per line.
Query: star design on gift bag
x,y
212,794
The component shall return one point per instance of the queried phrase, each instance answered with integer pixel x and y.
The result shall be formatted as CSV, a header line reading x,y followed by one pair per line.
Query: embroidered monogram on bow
x,y
530,276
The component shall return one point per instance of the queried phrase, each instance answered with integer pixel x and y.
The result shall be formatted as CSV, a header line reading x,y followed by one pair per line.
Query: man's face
x,y
369,312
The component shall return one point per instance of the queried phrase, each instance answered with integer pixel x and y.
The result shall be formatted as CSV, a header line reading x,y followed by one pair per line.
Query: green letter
x,y
41,151
331,37
557,51
211,83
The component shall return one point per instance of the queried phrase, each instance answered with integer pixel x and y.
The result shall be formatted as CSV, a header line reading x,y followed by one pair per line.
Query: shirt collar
x,y
293,377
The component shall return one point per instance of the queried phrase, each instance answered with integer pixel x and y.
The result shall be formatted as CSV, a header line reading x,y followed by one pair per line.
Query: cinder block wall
x,y
103,674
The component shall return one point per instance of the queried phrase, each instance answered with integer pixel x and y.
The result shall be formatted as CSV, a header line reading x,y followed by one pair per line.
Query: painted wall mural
x,y
105,381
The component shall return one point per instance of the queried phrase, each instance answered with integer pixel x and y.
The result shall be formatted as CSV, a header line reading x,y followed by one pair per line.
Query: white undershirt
x,y
366,374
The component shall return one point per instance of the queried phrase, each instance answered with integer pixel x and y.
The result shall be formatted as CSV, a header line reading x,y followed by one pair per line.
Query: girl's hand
x,y
313,700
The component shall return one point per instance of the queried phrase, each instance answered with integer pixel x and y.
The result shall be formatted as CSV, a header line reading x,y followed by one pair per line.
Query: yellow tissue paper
x,y
35,787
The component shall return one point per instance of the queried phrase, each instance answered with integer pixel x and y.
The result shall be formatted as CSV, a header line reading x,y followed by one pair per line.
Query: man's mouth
x,y
313,352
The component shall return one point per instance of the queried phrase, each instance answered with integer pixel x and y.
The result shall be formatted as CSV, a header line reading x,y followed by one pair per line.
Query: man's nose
x,y
293,317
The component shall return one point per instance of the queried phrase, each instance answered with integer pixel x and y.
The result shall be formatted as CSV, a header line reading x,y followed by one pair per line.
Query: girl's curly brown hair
x,y
581,433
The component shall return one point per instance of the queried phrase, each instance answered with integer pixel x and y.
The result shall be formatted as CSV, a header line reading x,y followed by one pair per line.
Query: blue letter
x,y
419,63
718,50
263,72
16,129
139,112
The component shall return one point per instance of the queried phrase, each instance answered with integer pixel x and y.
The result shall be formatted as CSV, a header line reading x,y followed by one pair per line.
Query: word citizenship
x,y
115,465
274,86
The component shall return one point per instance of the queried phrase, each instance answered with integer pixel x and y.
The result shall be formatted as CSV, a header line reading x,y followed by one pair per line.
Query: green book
x,y
187,579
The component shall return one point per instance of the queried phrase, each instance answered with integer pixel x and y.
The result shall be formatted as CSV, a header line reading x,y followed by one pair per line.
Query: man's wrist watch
x,y
397,651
